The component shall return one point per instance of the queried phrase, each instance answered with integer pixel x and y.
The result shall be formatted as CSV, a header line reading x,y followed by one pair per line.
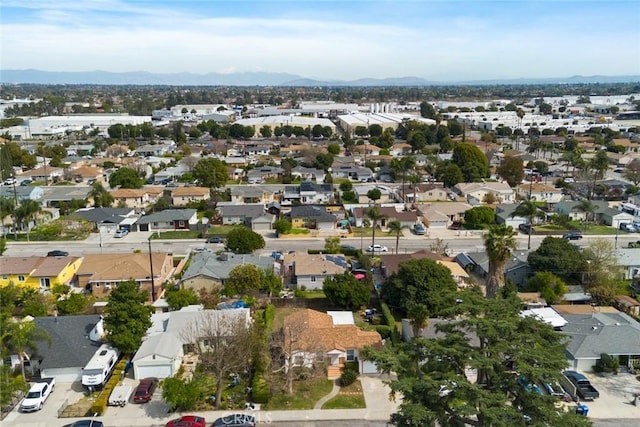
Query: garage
x,y
63,375
159,356
262,223
368,367
158,371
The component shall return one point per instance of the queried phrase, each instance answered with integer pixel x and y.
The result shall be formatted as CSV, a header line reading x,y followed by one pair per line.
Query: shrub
x,y
384,331
269,315
99,406
606,363
260,392
387,317
352,366
348,377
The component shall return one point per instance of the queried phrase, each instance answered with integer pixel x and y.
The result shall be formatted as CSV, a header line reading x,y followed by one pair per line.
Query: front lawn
x,y
176,234
297,231
350,397
305,394
220,230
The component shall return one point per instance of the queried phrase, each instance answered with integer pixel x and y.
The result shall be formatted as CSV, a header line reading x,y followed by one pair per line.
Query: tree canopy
x,y
511,169
550,286
479,217
420,280
558,256
471,161
506,351
346,291
243,279
127,317
210,173
242,240
125,178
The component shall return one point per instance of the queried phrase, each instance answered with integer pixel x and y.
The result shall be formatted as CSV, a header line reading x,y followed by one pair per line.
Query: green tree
x,y
589,208
632,171
242,240
395,227
178,298
3,245
511,169
101,197
22,338
479,217
333,148
72,303
432,373
125,178
210,173
282,226
324,161
499,243
270,282
550,286
346,186
528,209
471,161
422,280
427,110
602,272
559,256
346,291
183,394
374,215
127,318
266,131
374,195
10,385
449,173
243,279
332,245
27,211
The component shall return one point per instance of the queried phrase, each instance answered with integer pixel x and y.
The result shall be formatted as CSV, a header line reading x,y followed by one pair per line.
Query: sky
x,y
440,40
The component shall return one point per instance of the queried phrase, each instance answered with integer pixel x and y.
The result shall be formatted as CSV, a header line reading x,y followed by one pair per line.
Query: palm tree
x,y
414,180
26,211
395,227
589,208
528,209
101,197
374,215
7,208
499,243
419,315
520,114
21,336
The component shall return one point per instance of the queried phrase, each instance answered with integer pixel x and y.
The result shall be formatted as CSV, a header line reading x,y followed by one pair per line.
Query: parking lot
x,y
616,396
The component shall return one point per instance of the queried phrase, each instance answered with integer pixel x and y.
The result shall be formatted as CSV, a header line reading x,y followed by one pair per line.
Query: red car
x,y
187,421
145,390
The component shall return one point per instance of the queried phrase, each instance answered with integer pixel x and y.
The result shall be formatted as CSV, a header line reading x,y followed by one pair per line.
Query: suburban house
x,y
166,346
250,194
54,196
252,216
308,271
21,192
313,217
571,209
183,195
387,194
170,219
313,336
106,220
406,218
367,149
259,175
476,192
85,174
614,217
48,174
209,271
354,173
541,193
155,149
135,198
390,264
596,330
629,260
629,305
308,174
36,272
308,193
99,273
504,212
72,346
442,214
431,192
517,269
400,149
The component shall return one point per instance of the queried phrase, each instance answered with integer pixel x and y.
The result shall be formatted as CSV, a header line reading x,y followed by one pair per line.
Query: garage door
x,y
369,367
158,371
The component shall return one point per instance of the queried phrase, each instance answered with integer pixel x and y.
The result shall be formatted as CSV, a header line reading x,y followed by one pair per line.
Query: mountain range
x,y
263,79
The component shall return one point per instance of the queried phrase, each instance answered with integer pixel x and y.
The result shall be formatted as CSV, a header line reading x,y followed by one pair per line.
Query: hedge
x,y
99,406
348,377
390,322
269,315
260,392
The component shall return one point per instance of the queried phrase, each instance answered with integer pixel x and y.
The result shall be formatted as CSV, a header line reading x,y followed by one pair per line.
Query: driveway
x,y
616,396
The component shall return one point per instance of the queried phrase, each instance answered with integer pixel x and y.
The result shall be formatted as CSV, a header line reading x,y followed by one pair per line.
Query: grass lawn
x,y
281,313
22,237
601,229
220,230
299,231
592,229
176,234
350,397
368,232
318,293
305,394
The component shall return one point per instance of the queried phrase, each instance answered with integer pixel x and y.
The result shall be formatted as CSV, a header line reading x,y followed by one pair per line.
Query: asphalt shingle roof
x,y
168,215
597,333
70,344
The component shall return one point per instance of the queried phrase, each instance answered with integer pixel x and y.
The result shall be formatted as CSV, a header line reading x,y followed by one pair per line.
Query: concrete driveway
x,y
616,396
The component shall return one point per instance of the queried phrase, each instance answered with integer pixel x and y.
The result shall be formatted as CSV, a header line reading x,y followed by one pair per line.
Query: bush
x,y
606,363
99,406
351,366
269,315
348,377
387,317
260,392
384,331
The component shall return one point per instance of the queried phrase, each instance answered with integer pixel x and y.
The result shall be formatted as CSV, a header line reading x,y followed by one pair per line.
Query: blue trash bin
x,y
582,410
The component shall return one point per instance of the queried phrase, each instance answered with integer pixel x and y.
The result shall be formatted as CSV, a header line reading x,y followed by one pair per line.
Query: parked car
x,y
584,389
573,235
121,233
419,229
10,181
145,390
625,226
37,395
235,420
525,228
215,239
85,423
57,253
187,421
455,225
347,248
25,182
377,248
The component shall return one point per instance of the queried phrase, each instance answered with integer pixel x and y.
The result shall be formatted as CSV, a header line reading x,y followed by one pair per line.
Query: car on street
x,y
525,228
10,181
235,420
57,253
25,182
85,423
121,233
215,239
625,226
347,248
187,421
573,235
377,248
145,390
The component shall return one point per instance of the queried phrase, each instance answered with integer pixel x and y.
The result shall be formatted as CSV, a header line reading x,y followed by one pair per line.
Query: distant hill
x,y
262,79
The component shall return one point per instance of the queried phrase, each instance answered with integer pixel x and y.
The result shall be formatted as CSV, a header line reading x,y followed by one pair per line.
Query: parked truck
x,y
38,393
583,388
120,395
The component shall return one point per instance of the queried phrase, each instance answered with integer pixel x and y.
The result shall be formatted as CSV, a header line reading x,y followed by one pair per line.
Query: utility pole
x,y
153,287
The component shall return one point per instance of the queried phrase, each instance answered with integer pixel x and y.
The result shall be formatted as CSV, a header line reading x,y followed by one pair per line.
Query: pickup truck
x,y
584,389
38,393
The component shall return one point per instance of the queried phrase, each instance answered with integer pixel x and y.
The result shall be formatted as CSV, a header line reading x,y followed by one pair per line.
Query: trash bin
x,y
582,410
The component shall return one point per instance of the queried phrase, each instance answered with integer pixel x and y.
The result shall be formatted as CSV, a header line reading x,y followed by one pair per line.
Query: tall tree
x,y
559,256
210,172
346,291
7,209
589,208
22,338
511,169
499,243
528,209
632,171
374,215
125,178
243,279
101,197
127,318
395,227
471,161
242,240
26,211
432,373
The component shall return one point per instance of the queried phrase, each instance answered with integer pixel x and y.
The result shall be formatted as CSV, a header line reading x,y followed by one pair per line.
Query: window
x,y
313,278
45,282
20,278
5,277
351,355
180,223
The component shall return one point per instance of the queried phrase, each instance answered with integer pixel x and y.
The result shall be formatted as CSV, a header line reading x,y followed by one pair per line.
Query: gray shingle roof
x,y
593,334
70,344
319,213
219,266
247,211
168,215
99,215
